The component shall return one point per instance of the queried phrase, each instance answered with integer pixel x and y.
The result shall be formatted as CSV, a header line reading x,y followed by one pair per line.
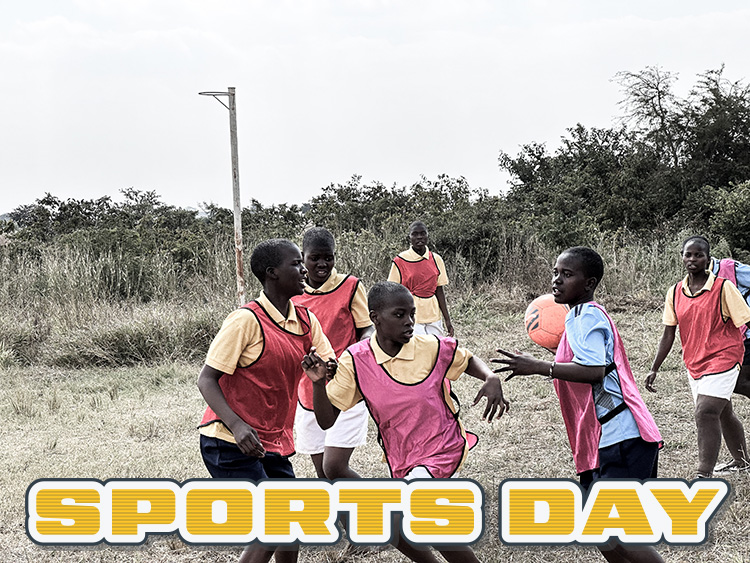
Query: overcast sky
x,y
101,95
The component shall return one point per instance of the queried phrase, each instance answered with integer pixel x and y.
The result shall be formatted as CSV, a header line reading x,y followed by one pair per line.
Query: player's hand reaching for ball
x,y
519,364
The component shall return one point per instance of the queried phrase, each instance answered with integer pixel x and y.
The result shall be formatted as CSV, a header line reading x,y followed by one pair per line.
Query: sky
x,y
102,95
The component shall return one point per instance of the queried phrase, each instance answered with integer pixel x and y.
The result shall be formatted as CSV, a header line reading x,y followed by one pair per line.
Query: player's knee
x,y
335,468
708,410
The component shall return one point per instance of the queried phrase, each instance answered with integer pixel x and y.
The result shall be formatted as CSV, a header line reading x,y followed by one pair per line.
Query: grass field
x,y
140,422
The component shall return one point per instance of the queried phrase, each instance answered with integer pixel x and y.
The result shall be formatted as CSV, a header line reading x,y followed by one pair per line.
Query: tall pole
x,y
232,107
236,195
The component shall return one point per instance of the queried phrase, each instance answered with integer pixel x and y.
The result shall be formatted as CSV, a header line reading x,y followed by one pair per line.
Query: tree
x,y
718,141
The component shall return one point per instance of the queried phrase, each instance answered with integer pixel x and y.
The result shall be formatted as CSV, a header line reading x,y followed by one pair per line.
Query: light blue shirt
x,y
742,271
592,341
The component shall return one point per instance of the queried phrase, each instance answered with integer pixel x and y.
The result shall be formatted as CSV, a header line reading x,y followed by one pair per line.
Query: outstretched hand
x,y
497,404
517,364
316,368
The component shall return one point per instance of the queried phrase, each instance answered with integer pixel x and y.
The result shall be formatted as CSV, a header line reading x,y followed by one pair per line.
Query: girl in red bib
x,y
339,302
422,272
709,311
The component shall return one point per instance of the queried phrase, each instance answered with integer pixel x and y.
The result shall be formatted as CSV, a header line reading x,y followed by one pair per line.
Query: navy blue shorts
x,y
224,460
630,459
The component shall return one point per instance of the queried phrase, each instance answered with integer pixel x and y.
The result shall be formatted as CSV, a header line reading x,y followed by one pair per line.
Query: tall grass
x,y
69,306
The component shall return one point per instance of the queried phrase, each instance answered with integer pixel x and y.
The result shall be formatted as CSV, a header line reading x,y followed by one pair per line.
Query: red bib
x,y
709,343
419,277
333,311
264,394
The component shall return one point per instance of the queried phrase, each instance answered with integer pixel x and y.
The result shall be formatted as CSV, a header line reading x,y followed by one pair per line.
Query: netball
x,y
545,321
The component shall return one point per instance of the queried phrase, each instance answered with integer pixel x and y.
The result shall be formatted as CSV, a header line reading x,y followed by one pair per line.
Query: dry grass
x,y
140,422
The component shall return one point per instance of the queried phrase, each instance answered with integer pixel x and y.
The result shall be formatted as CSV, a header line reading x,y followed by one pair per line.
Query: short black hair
x,y
383,293
591,263
417,224
268,254
318,237
699,239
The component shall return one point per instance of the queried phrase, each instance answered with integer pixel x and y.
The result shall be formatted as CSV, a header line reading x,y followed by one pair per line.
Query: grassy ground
x,y
140,422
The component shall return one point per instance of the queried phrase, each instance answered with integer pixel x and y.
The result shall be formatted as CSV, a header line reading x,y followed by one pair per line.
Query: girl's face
x,y
319,262
418,238
395,322
695,257
570,285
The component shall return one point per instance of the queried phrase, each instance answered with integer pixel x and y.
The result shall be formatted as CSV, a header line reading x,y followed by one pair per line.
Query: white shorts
x,y
719,385
349,430
435,328
420,472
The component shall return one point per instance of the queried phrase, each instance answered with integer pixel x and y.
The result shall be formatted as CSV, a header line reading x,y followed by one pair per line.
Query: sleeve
x,y
733,306
588,334
669,317
360,310
743,280
443,275
319,339
342,390
239,342
714,267
394,275
459,364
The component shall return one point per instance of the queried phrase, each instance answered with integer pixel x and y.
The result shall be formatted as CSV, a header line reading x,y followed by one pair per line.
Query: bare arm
x,y
440,294
316,369
492,389
244,434
364,332
665,346
525,364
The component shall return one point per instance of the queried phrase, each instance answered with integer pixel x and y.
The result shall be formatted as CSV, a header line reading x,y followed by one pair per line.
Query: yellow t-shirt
x,y
411,365
428,309
733,305
239,342
358,306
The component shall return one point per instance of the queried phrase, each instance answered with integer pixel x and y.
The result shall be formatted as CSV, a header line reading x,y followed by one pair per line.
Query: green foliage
x,y
650,176
731,220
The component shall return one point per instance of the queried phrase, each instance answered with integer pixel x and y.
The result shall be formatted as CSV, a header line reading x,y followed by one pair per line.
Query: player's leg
x,y
224,460
742,387
630,459
458,554
348,432
734,435
616,552
708,424
263,553
336,463
317,461
419,554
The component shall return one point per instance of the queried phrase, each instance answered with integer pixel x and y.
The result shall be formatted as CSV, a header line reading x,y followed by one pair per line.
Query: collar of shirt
x,y
706,287
273,312
406,352
333,281
412,256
